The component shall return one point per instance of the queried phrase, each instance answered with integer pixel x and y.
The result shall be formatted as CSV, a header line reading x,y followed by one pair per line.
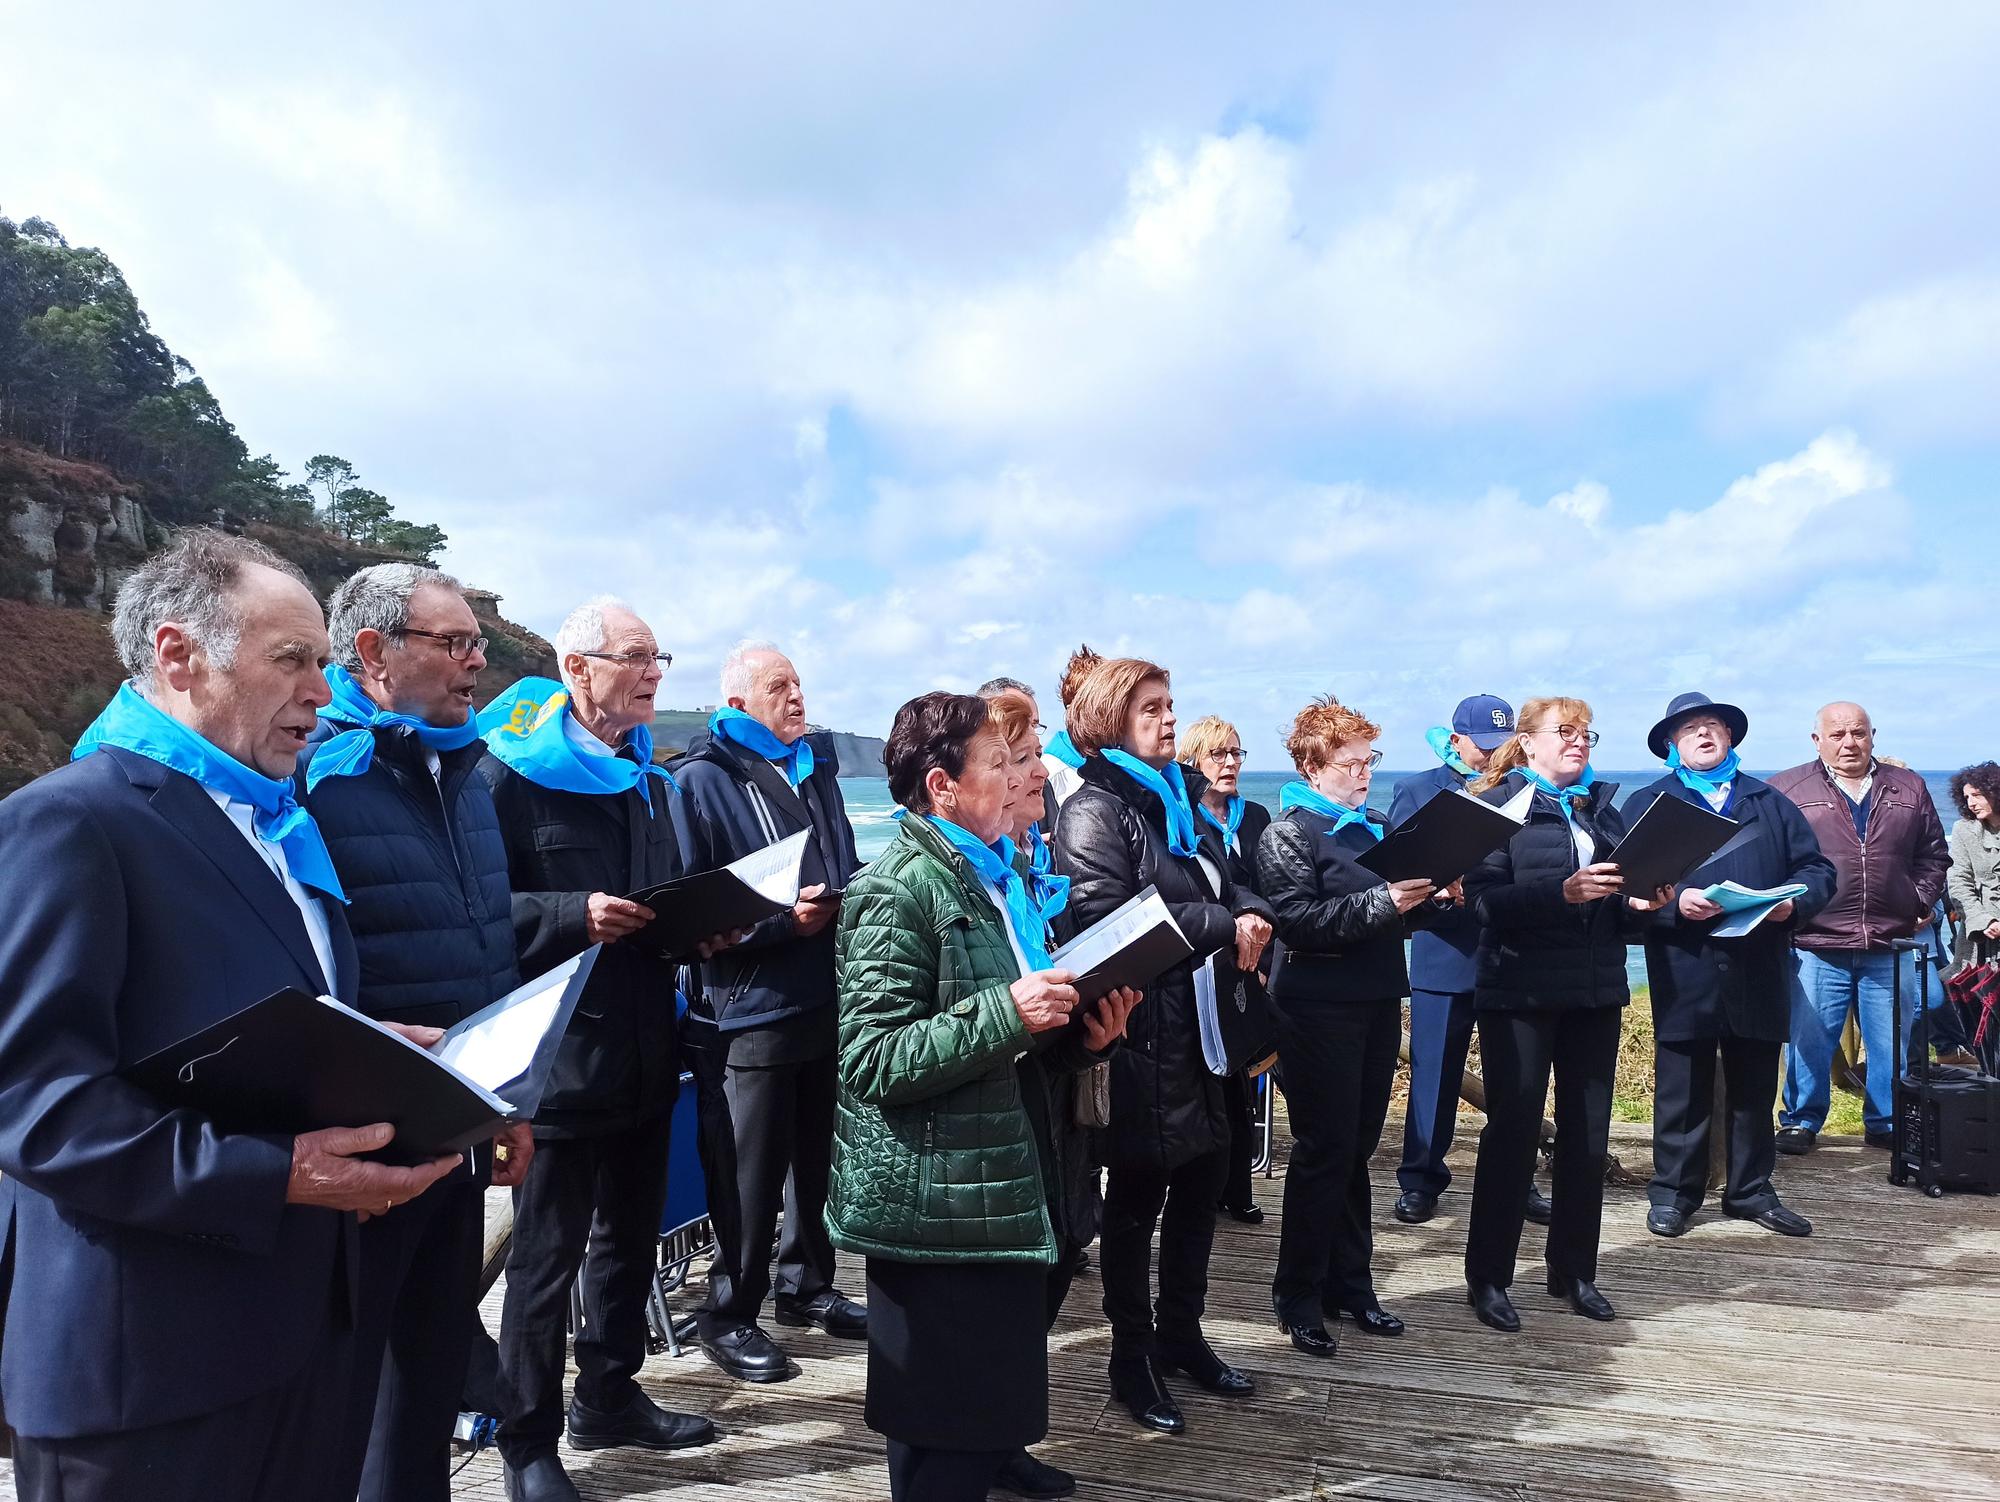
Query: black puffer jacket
x,y
1166,1108
1340,938
425,870
619,1063
1537,952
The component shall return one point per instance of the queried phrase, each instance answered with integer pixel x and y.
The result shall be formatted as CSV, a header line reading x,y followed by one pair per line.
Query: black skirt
x,y
958,1353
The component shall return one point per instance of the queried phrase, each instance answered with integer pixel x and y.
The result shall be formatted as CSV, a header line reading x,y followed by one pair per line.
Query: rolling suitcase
x,y
1946,1127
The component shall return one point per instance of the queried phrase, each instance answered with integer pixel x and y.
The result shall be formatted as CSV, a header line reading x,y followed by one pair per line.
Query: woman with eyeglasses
x,y
1554,922
1232,825
1338,979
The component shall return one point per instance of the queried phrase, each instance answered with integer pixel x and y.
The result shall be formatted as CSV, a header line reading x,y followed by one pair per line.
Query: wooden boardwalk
x,y
1860,1363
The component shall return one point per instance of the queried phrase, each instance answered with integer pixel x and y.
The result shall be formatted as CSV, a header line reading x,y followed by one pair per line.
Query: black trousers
x,y
1236,1098
1340,1064
419,1294
919,1475
767,1142
1182,1204
607,1192
1683,1116
1518,1050
283,1445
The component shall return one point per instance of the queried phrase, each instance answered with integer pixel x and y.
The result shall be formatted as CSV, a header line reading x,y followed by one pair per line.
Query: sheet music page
x,y
773,872
497,1050
1112,933
1516,807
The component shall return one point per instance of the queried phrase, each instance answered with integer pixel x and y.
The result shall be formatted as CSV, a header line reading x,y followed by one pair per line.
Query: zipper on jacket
x,y
924,1162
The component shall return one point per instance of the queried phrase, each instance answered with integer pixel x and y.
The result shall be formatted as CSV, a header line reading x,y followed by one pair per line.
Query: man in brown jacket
x,y
1877,824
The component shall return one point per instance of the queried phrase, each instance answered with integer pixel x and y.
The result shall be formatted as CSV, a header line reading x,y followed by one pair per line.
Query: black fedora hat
x,y
1687,704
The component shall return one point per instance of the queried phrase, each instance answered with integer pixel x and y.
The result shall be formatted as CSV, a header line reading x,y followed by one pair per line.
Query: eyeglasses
x,y
1236,755
457,645
1356,768
634,660
1567,733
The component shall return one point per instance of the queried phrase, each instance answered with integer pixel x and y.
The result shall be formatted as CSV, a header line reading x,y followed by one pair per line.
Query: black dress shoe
x,y
1667,1220
1778,1218
1080,1262
1198,1360
1135,1382
1025,1476
1795,1140
1884,1140
640,1422
747,1354
541,1480
1540,1208
1311,1339
1490,1302
1414,1207
1245,1215
831,1310
1374,1319
1582,1295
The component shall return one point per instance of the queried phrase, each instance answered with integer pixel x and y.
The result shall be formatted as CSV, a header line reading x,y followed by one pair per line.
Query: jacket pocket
x,y
926,1170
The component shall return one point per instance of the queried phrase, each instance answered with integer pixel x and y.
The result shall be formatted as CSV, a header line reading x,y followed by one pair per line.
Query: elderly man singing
x,y
1878,825
583,812
180,1318
389,777
764,1027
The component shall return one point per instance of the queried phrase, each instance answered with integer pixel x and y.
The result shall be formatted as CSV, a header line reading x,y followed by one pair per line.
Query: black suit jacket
x,y
156,1272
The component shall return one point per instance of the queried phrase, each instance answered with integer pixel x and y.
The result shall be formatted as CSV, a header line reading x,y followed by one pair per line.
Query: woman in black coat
x,y
1554,921
1730,996
1130,826
1337,983
1230,826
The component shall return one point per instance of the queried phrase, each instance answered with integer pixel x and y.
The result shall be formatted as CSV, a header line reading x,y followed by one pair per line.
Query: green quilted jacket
x,y
934,1157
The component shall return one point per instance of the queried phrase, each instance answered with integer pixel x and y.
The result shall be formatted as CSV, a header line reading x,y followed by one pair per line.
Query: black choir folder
x,y
296,1063
1441,841
1129,946
689,909
1668,841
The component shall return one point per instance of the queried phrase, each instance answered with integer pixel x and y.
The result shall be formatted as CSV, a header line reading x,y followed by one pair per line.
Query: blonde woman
x,y
1554,922
1231,825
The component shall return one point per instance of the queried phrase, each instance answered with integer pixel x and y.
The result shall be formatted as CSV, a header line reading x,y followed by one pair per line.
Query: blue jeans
x,y
1829,984
1440,1031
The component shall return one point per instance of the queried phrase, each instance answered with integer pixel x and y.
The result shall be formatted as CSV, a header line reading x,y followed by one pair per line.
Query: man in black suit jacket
x,y
178,1295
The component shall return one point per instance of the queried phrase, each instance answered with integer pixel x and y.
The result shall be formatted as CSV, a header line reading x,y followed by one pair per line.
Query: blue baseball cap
x,y
1484,720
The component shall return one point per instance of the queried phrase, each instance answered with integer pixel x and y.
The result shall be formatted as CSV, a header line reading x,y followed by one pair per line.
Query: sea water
x,y
873,812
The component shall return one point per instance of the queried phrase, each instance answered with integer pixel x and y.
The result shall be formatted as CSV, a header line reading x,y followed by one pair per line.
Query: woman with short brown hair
x,y
1131,825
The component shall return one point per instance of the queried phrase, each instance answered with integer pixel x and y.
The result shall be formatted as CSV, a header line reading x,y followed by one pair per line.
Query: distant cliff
x,y
70,533
860,755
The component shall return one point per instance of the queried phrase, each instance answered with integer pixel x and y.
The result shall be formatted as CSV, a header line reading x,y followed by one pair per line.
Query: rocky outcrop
x,y
69,532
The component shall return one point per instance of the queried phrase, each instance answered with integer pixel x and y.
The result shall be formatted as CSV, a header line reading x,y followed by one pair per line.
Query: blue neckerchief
x,y
1564,796
1228,827
1171,788
1708,783
752,734
1439,739
995,863
1297,794
524,730
1063,749
1050,891
352,752
133,723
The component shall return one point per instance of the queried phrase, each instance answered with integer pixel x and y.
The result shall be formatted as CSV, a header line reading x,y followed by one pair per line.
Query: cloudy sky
x,y
1402,354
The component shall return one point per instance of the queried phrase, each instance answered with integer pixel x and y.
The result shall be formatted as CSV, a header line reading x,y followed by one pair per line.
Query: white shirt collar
x,y
583,740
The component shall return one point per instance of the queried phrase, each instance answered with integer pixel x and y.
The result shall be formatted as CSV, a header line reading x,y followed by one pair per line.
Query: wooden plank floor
x,y
1860,1363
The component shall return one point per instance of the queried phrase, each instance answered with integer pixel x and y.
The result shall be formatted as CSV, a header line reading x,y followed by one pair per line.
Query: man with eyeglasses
x,y
1879,827
763,1028
389,776
1442,972
583,811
